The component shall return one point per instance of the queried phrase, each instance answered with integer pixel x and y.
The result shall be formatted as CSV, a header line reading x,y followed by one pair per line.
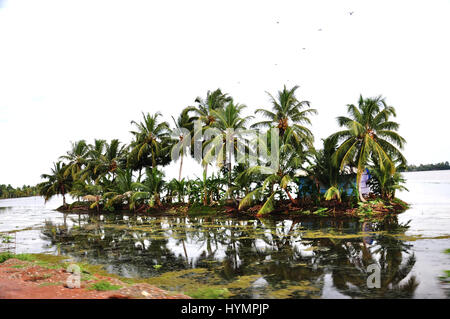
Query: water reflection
x,y
253,258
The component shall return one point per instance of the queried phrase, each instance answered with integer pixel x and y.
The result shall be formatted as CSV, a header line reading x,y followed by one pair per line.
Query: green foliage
x,y
104,285
383,182
290,160
322,169
333,193
7,255
365,210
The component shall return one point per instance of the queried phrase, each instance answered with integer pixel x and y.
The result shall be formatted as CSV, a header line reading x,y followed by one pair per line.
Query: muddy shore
x,y
23,279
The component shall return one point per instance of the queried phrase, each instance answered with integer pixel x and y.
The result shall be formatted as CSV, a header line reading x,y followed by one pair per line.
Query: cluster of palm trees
x,y
113,174
8,191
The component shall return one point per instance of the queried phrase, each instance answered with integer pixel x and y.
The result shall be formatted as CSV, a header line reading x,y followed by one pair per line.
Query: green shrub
x,y
7,255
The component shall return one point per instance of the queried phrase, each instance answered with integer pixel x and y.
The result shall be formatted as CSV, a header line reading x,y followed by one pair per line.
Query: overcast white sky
x,y
74,70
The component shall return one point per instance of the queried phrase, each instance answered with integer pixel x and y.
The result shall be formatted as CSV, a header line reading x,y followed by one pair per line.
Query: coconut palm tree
x,y
151,138
57,183
288,112
107,162
230,123
368,133
95,151
214,100
183,125
76,158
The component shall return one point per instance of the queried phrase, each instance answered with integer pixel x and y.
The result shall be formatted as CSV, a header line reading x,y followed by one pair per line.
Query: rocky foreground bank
x,y
35,279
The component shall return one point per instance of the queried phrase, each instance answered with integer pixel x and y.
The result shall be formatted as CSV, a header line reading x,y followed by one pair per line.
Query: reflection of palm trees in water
x,y
272,249
353,256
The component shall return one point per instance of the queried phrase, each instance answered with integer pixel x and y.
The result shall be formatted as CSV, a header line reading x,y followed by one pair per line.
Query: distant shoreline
x,y
426,170
427,167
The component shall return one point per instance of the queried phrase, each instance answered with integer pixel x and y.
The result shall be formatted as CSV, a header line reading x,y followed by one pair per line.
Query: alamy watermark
x,y
74,280
374,279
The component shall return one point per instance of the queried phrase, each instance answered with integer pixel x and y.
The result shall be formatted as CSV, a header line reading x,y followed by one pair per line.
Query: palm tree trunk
x,y
185,252
290,197
153,159
229,171
140,174
157,200
63,193
181,166
205,194
358,182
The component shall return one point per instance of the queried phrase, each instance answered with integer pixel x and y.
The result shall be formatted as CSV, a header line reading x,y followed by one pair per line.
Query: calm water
x,y
257,258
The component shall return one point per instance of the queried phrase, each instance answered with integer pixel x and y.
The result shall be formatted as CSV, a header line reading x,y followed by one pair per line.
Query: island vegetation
x,y
114,176
8,191
427,167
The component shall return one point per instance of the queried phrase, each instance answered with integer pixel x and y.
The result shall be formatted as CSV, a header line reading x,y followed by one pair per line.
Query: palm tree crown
x,y
151,137
229,122
76,158
369,132
58,182
203,111
288,111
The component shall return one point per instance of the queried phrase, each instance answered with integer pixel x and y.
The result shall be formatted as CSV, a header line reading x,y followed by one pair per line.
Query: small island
x,y
355,173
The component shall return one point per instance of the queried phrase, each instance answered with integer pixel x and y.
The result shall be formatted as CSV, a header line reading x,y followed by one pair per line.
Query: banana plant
x,y
120,191
149,190
333,193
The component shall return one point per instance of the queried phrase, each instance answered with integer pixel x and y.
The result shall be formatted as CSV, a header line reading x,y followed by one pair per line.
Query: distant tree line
x,y
7,191
428,167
